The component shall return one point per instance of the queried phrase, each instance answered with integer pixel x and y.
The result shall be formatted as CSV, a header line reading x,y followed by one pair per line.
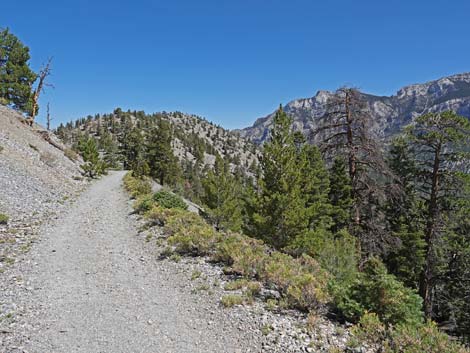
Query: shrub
x,y
403,338
195,240
245,255
250,288
143,204
178,220
71,154
253,288
377,291
422,338
136,186
301,280
338,255
231,300
167,199
369,329
237,284
3,218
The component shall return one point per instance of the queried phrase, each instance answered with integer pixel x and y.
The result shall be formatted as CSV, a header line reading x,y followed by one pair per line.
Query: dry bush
x,y
71,154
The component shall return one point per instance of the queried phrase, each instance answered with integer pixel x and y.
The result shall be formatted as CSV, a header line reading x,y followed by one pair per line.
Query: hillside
x,y
390,113
194,139
33,173
36,178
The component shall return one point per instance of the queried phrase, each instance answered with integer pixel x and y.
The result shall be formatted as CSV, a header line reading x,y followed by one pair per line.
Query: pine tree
x,y
93,165
404,213
281,214
344,132
440,143
16,77
133,151
452,293
315,186
163,164
110,149
340,195
222,197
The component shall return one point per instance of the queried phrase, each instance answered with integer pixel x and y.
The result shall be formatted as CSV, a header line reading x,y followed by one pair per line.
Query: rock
x,y
270,294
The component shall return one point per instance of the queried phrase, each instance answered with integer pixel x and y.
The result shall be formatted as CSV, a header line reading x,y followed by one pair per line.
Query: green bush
x,y
369,329
195,240
143,203
137,186
231,300
3,218
423,338
167,199
403,338
339,256
302,281
177,220
250,288
377,291
245,255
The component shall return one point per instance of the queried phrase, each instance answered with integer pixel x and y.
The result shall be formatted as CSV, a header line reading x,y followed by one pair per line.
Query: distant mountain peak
x,y
390,113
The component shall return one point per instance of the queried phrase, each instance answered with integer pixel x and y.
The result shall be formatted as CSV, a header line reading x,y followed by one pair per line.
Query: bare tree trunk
x,y
45,71
427,273
49,119
351,153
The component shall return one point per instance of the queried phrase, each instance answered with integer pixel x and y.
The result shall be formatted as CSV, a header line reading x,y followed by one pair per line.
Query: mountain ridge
x,y
390,113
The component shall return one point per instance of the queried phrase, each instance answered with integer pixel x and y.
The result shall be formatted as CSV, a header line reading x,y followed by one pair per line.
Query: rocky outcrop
x,y
390,113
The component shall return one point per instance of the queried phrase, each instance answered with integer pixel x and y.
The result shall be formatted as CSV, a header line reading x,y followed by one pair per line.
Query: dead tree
x,y
43,74
48,118
345,131
47,137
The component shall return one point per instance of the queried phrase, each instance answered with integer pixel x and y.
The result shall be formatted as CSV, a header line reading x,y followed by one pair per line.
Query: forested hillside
x,y
177,149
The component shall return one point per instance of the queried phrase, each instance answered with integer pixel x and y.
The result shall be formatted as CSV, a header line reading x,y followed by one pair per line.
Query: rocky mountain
x,y
390,113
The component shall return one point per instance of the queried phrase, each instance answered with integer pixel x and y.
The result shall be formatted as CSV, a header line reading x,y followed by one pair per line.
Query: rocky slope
x,y
36,179
390,113
33,173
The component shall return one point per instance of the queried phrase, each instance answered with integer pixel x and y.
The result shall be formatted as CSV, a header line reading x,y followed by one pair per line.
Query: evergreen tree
x,y
163,164
280,214
440,143
133,152
452,292
222,197
315,186
340,195
16,77
110,149
93,165
404,213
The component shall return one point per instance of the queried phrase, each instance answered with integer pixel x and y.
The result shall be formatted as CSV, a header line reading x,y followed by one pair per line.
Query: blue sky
x,y
233,61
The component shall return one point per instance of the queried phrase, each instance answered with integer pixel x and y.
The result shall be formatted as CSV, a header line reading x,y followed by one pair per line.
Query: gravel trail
x,y
97,291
